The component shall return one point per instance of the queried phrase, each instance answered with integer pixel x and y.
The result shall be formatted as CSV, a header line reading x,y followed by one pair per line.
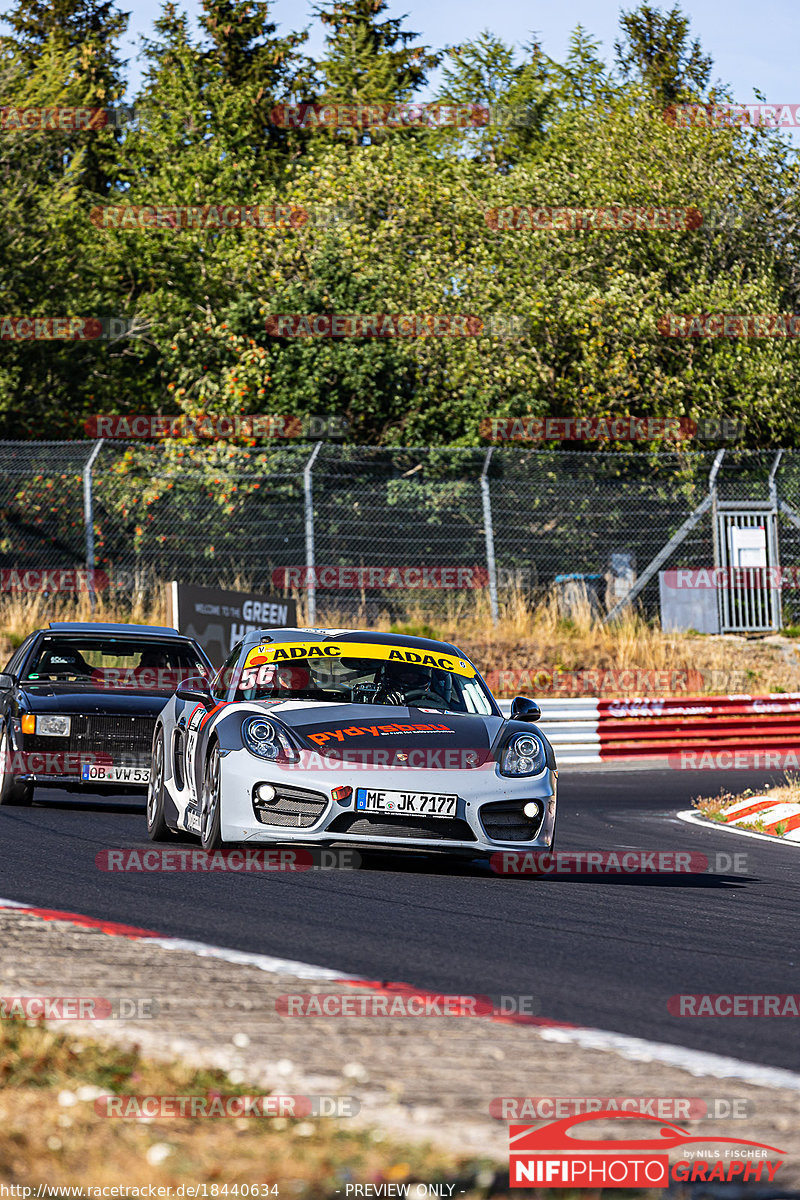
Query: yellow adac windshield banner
x,y
285,652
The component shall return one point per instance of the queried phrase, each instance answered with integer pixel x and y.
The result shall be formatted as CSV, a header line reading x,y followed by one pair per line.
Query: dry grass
x,y
530,644
715,807
21,614
51,1133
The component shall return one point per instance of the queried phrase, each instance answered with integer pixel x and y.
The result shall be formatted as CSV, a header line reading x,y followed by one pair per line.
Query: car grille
x,y
295,808
506,822
126,740
115,734
428,828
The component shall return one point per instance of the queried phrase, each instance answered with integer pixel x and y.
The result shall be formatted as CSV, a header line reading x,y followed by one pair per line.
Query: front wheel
x,y
210,803
157,828
12,791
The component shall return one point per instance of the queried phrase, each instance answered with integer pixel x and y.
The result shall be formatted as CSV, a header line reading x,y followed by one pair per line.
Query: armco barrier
x,y
573,727
586,730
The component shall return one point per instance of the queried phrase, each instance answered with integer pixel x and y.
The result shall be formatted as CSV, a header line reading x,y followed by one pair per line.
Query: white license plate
x,y
399,804
97,774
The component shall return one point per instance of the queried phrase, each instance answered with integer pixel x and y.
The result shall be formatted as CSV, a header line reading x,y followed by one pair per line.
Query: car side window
x,y
224,677
17,658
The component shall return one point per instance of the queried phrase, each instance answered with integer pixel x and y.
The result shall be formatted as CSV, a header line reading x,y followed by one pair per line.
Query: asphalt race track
x,y
603,951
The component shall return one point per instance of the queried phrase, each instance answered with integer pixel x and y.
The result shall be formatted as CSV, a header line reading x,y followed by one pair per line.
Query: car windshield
x,y
116,662
364,681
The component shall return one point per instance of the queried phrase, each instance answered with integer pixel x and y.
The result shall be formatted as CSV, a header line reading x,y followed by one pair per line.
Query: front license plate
x,y
418,804
115,774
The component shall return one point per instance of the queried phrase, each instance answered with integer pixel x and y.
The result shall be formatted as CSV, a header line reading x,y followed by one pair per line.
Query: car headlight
x,y
266,739
524,754
53,725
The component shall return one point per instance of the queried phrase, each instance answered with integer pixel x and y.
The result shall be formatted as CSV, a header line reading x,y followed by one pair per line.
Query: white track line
x,y
696,1062
264,962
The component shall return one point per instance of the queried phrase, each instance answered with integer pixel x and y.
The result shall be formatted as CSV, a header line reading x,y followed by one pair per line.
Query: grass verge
x,y
715,807
51,1133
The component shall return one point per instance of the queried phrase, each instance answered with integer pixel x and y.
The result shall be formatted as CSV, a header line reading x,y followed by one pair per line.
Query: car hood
x,y
85,698
374,733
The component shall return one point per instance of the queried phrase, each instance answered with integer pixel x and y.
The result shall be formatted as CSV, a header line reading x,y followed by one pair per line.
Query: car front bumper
x,y
329,821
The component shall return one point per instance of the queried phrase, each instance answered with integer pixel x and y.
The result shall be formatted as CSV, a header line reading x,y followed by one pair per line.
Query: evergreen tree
x,y
656,50
369,60
517,95
88,32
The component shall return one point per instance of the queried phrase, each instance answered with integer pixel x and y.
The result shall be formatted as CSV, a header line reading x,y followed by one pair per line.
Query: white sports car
x,y
324,737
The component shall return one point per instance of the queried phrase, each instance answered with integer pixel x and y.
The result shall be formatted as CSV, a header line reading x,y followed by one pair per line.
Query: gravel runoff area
x,y
420,1077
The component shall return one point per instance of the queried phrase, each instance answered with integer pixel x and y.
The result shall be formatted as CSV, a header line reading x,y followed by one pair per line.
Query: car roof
x,y
111,627
259,636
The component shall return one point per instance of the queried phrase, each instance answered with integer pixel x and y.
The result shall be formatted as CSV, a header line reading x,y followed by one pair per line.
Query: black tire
x,y
12,791
157,828
210,803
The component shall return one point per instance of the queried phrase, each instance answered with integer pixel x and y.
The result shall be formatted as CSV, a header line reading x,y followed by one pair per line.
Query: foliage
x,y
387,221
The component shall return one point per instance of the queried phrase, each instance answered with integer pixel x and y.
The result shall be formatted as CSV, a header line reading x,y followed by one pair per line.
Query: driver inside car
x,y
407,683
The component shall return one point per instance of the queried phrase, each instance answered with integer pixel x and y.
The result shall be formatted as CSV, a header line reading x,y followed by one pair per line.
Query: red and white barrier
x,y
585,730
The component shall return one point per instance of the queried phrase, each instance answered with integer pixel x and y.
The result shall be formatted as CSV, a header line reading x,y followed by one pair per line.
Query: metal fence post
x,y
488,529
88,518
311,583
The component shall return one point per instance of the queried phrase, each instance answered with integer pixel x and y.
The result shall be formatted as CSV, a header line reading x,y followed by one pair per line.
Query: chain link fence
x,y
359,530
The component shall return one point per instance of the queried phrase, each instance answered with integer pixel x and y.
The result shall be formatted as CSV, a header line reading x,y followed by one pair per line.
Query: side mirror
x,y
524,709
6,682
196,691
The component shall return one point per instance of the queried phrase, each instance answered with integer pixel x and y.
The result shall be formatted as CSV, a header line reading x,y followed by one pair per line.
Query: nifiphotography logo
x,y
554,1156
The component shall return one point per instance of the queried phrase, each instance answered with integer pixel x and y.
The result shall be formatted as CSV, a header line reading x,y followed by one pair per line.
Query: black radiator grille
x,y
118,735
434,829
